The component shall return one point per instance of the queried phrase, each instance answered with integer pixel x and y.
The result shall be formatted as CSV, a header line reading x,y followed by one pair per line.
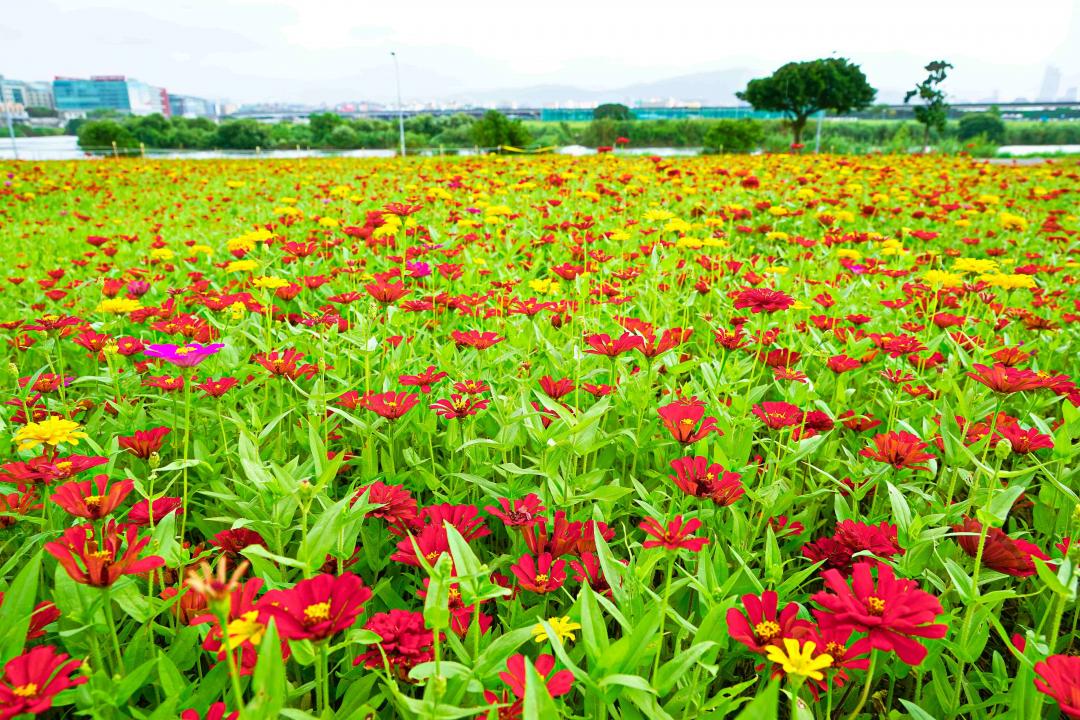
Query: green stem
x,y
663,616
866,688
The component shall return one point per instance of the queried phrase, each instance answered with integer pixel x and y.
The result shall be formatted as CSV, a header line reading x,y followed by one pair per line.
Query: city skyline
x,y
291,52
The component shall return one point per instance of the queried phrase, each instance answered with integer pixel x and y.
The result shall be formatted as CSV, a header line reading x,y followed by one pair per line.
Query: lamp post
x,y
400,109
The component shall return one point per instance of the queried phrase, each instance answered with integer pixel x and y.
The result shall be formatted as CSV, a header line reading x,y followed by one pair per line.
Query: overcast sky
x,y
334,50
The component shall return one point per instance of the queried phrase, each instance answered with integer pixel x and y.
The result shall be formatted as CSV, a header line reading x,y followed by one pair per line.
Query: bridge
x,y
1034,110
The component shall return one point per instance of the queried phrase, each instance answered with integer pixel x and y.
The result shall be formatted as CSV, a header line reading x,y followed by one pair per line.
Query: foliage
x,y
103,134
987,125
242,135
612,111
801,89
494,130
933,112
734,136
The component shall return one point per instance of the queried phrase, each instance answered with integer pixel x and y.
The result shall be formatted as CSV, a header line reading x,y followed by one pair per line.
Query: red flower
x,y
403,640
899,449
891,611
778,415
216,388
558,683
842,364
89,499
390,405
540,574
675,536
459,406
423,380
100,564
144,512
852,537
695,476
144,442
235,540
216,712
33,679
1059,677
397,505
1024,441
681,419
602,344
522,511
476,339
387,293
1004,379
763,623
285,364
762,300
564,539
316,608
556,389
1007,555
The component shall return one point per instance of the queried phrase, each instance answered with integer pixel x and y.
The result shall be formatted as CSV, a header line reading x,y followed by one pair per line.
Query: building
x,y
109,92
189,106
1050,83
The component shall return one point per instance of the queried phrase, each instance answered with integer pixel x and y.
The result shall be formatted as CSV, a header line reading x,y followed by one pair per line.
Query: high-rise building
x,y
190,107
1051,81
109,92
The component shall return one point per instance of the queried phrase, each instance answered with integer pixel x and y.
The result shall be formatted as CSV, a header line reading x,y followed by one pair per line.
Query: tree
x,y
101,134
322,124
934,111
987,125
242,135
801,89
735,136
612,111
495,130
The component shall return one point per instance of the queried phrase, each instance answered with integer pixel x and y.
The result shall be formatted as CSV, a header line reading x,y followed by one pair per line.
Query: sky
x,y
328,51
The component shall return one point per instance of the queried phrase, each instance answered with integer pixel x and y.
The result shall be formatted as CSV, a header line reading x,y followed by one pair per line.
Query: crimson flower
x,y
760,300
1059,677
695,476
476,339
519,512
1024,441
852,537
100,563
459,406
144,442
404,640
541,574
234,540
1011,556
556,389
558,683
390,405
676,535
891,611
422,380
215,712
602,344
89,499
33,679
764,623
216,388
1006,380
899,449
146,512
385,292
316,608
396,504
778,415
681,419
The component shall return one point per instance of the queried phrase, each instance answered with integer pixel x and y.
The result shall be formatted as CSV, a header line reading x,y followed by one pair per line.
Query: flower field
x,y
734,437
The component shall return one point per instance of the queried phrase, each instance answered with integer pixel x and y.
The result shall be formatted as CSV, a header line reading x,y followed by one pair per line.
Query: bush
x,y
242,135
987,125
735,136
101,134
495,129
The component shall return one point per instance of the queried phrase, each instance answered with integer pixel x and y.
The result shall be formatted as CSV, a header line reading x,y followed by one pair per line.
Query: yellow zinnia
x,y
563,628
52,431
799,660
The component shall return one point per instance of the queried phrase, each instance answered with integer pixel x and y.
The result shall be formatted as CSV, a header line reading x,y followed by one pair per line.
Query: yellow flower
x,y
562,626
619,235
329,222
162,254
1008,282
118,306
658,215
1008,221
52,431
945,279
241,266
269,283
975,265
796,660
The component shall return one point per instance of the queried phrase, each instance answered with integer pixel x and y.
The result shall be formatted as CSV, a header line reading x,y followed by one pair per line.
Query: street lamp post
x,y
400,109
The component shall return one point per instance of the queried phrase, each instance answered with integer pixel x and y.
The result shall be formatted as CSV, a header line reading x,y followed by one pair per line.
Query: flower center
x,y
836,650
876,605
541,579
102,554
317,612
185,351
27,690
94,501
766,630
246,628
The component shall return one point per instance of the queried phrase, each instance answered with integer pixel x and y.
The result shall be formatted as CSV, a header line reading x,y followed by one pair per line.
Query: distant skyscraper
x,y
109,92
190,107
1051,81
1070,95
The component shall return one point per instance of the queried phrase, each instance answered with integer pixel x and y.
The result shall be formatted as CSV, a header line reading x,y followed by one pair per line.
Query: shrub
x,y
736,136
988,125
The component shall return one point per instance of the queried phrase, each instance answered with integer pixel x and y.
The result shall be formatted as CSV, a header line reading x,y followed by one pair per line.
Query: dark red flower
x,y
422,380
397,505
215,712
852,537
518,512
33,679
404,641
144,512
681,419
763,623
100,563
778,415
144,442
602,344
1059,677
891,611
558,683
899,449
316,608
390,405
762,300
695,476
1004,379
677,535
475,339
459,406
541,574
1007,555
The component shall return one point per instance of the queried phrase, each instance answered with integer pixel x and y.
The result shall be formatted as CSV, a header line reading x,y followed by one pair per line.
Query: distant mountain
x,y
709,88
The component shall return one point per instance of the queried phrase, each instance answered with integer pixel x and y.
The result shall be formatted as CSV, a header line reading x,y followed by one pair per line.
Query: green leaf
x,y
901,509
538,704
916,712
1002,502
268,680
674,669
764,706
437,602
1049,577
18,607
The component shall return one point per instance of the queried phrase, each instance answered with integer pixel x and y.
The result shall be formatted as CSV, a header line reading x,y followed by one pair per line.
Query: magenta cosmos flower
x,y
188,355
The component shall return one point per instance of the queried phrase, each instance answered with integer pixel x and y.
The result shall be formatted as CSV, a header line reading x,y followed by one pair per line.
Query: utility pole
x,y
400,109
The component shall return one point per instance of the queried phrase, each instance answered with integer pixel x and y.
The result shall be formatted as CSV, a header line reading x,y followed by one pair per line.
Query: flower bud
x,y
1003,449
154,461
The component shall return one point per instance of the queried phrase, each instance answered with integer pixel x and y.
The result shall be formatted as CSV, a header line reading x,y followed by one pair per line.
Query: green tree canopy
x,y
495,129
801,89
987,125
934,111
101,134
612,111
242,135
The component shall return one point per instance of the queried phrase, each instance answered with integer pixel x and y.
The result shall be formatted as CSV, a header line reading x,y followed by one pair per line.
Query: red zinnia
x,y
891,611
681,419
541,574
404,640
695,476
515,513
144,443
1059,677
89,499
318,607
100,564
762,300
764,623
33,679
1004,379
899,449
676,535
390,405
1007,555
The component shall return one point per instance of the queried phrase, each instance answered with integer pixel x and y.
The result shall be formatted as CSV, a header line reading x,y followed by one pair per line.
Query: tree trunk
x,y
926,139
797,127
